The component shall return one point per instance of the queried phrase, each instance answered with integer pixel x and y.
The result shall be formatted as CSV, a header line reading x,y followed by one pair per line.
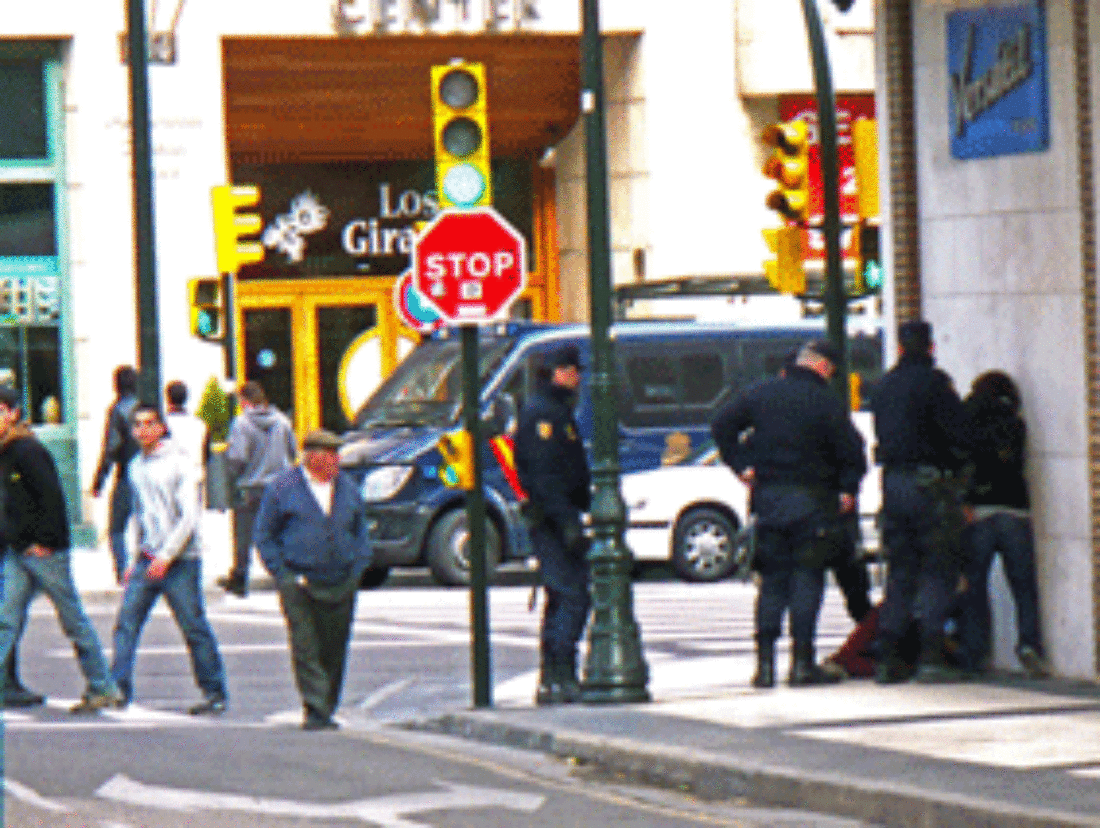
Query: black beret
x,y
915,335
565,356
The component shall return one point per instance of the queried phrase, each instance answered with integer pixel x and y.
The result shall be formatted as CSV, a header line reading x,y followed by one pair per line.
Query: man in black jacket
x,y
553,470
920,428
119,448
792,443
36,551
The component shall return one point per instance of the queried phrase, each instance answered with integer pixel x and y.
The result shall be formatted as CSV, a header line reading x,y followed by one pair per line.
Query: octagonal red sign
x,y
470,265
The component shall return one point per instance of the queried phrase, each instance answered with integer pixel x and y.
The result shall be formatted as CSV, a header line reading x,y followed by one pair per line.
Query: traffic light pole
x,y
475,520
836,306
615,670
148,318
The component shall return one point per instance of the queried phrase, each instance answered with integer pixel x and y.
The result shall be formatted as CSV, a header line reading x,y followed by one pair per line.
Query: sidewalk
x,y
1006,753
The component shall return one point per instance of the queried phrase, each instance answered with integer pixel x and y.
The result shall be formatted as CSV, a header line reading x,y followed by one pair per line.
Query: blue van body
x,y
671,377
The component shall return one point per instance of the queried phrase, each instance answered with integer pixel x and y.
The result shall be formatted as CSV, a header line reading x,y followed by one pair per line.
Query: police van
x,y
670,380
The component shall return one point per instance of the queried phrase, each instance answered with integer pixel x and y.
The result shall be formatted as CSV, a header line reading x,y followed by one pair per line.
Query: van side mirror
x,y
500,414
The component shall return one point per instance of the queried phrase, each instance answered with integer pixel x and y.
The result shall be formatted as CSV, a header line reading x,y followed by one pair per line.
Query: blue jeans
x,y
181,587
51,574
1010,535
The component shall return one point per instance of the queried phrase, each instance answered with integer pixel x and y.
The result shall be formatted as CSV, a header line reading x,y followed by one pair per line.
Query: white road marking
x,y
383,693
385,811
31,797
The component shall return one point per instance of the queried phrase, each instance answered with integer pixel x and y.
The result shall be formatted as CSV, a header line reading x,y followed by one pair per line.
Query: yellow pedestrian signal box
x,y
207,306
230,226
460,125
457,468
789,165
865,155
786,272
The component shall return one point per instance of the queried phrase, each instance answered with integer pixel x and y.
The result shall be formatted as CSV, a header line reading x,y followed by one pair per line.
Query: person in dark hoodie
x,y
261,446
999,503
118,450
36,552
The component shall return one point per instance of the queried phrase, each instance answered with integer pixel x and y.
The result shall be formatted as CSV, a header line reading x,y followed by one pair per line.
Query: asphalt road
x,y
153,765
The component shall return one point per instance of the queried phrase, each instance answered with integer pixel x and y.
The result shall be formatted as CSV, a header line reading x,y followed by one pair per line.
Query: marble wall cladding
x,y
1001,281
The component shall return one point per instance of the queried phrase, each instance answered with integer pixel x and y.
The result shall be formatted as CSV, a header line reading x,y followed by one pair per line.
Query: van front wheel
x,y
448,549
703,545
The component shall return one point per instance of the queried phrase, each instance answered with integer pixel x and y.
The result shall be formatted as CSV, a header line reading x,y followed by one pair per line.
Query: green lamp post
x,y
615,670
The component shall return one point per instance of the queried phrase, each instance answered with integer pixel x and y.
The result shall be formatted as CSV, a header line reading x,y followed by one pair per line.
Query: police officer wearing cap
x,y
920,427
553,470
792,443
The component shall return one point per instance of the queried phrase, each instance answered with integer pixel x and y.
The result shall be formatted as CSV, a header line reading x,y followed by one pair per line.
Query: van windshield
x,y
426,388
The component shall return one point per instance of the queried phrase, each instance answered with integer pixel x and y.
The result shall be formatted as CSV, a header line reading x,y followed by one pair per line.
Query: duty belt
x,y
925,473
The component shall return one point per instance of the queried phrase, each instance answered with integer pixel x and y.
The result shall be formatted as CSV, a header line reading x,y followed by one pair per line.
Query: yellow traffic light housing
x,y
206,298
786,272
457,450
865,155
460,119
230,226
789,165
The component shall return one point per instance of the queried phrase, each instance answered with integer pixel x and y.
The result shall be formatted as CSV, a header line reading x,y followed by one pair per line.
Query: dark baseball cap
x,y
564,357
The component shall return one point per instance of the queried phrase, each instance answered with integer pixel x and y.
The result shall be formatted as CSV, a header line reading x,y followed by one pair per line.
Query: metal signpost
x,y
470,265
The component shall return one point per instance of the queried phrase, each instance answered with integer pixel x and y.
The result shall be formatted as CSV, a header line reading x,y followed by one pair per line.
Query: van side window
x,y
702,375
652,380
679,386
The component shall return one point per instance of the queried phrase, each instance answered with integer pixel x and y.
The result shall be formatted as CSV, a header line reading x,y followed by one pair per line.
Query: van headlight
x,y
384,482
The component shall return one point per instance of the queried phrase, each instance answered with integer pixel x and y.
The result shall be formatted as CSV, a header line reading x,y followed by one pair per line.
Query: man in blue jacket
x,y
311,534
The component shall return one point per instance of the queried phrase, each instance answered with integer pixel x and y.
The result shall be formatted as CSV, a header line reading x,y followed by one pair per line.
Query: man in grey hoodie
x,y
261,446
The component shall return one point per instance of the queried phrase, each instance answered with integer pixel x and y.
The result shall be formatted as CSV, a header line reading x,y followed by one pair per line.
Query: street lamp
x,y
615,670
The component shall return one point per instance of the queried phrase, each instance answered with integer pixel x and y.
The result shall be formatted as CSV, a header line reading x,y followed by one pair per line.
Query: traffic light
x,y
207,301
457,471
865,155
229,226
460,117
785,272
869,271
789,165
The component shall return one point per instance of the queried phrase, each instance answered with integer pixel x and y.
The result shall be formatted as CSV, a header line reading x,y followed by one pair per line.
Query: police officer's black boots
x,y
550,689
15,694
805,672
765,663
890,668
570,687
933,667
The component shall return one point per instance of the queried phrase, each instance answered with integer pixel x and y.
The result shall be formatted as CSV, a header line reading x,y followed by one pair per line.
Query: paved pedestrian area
x,y
1007,751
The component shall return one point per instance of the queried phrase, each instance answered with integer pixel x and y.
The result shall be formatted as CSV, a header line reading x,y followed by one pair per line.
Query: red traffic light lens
x,y
458,89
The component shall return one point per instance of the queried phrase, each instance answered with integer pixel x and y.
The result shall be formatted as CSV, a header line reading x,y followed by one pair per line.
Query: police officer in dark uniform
x,y
553,470
920,427
791,441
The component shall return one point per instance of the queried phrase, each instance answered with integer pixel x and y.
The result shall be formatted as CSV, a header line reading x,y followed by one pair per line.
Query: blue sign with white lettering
x,y
997,80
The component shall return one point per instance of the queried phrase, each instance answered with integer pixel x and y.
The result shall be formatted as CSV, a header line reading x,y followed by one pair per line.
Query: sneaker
x,y
94,702
211,705
1032,662
233,584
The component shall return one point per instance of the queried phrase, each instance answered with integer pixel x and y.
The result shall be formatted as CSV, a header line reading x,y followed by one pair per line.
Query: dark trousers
x,y
786,583
319,631
565,577
922,536
122,500
244,519
855,585
563,622
1010,536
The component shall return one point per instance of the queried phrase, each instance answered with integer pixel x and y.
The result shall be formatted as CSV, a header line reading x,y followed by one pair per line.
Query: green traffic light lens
x,y
463,185
462,137
458,89
205,323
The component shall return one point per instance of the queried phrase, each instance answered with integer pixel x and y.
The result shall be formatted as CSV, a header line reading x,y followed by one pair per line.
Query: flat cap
x,y
824,348
321,438
565,356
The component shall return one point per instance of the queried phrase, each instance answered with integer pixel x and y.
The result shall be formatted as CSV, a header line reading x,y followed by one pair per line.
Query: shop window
x,y
23,127
27,222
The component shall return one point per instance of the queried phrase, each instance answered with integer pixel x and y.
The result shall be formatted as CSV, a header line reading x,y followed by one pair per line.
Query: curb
x,y
713,776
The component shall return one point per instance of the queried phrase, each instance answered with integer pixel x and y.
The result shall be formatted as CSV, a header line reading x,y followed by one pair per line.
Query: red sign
x,y
848,109
470,265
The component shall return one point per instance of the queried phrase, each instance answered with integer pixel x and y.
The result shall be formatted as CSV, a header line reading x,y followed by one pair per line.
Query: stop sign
x,y
470,265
